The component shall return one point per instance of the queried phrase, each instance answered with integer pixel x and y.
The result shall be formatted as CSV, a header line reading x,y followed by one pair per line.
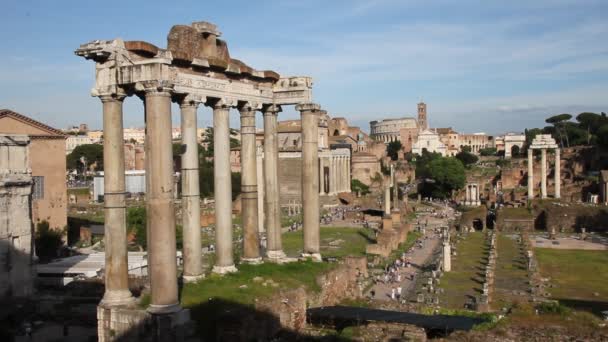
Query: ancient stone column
x,y
321,177
222,182
387,200
557,174
160,214
310,178
530,173
271,179
249,186
348,174
191,208
447,258
332,176
116,263
340,174
543,173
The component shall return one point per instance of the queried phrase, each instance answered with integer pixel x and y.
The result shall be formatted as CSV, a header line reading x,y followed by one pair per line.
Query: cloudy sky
x,y
491,66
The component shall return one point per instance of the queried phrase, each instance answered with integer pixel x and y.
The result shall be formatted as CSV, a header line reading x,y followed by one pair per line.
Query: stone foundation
x,y
130,324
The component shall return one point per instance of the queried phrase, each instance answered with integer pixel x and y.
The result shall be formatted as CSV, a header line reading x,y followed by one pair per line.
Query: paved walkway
x,y
418,256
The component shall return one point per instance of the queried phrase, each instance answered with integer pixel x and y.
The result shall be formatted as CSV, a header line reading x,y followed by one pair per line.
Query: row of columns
x,y
160,218
339,176
472,195
543,173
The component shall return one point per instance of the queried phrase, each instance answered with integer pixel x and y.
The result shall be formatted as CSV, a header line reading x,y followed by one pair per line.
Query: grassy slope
x,y
353,241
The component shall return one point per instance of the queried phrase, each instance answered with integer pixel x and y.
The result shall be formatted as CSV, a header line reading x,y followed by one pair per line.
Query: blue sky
x,y
490,66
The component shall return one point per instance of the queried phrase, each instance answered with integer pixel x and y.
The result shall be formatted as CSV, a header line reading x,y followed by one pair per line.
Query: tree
x,y
393,148
446,175
488,151
465,148
48,241
602,136
558,122
467,158
136,223
358,186
93,153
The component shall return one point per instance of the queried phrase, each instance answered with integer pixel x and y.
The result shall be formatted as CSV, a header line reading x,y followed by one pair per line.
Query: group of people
x,y
394,275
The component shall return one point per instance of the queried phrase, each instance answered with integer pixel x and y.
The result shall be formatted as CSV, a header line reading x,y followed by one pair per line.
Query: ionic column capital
x,y
249,108
155,88
112,97
308,107
272,110
221,103
190,100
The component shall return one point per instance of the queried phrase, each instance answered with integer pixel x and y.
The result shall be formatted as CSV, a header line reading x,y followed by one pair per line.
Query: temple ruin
x,y
196,68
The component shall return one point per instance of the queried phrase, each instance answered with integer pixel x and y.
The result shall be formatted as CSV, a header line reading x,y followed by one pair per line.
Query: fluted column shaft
x,y
160,213
530,173
116,270
310,177
191,209
224,259
543,173
557,174
249,186
271,180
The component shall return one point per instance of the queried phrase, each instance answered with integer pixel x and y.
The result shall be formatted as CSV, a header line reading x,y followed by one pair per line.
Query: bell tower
x,y
422,121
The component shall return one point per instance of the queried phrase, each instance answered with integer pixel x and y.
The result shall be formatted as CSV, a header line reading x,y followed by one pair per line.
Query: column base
x,y
314,256
114,298
252,261
156,309
224,269
192,278
275,255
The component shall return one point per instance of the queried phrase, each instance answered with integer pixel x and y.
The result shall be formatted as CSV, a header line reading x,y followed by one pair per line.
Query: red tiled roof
x,y
27,120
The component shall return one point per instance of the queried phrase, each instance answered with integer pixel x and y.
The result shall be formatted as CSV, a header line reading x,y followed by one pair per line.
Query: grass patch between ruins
x,y
511,274
463,282
336,242
579,277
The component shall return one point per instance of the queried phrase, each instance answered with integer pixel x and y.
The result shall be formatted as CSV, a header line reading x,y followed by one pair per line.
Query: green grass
x,y
577,275
353,241
215,297
78,191
460,283
511,274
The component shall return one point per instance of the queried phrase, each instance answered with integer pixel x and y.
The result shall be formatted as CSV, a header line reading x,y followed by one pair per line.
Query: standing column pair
x,y
310,178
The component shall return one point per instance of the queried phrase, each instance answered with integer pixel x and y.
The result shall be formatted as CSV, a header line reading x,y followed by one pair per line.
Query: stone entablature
x,y
202,72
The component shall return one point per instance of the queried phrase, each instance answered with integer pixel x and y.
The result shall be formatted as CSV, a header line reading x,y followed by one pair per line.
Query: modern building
x,y
475,141
48,163
74,141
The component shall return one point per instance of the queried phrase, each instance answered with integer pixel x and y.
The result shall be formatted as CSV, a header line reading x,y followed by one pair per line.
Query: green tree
x,y
488,151
465,148
446,175
393,148
358,186
558,121
467,158
602,136
93,153
136,223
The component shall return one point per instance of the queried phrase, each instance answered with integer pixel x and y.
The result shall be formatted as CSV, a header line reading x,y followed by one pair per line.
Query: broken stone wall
x,y
16,230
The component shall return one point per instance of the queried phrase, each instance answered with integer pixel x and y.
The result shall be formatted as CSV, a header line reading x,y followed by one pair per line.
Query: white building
x,y
429,140
135,183
74,141
134,134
